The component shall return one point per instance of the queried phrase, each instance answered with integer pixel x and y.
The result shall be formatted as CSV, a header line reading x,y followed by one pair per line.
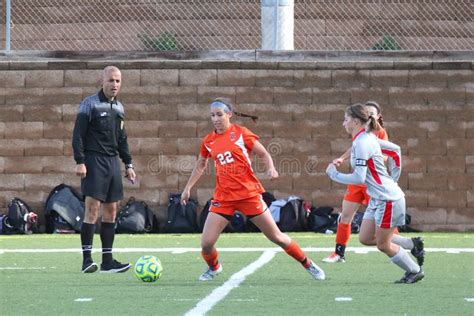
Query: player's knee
x,y
366,241
345,218
383,246
108,217
207,245
92,212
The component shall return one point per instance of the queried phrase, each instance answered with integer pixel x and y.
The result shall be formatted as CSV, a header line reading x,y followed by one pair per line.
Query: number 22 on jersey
x,y
225,158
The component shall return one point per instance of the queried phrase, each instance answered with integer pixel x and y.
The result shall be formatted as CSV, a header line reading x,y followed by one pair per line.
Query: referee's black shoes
x,y
114,267
89,266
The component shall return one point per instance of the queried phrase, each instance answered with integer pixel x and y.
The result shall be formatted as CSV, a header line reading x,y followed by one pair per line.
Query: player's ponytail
x,y
359,111
227,105
373,124
253,117
379,111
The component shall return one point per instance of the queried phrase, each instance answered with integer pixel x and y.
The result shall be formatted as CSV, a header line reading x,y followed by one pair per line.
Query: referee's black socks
x,y
87,235
107,234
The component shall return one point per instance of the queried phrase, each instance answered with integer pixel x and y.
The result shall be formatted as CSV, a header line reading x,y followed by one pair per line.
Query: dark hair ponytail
x,y
379,111
373,125
230,106
359,111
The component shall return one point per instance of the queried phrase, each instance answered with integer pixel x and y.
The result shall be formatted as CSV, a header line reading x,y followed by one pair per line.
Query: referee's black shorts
x,y
103,179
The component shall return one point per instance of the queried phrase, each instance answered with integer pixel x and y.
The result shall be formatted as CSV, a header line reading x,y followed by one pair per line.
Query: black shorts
x,y
103,179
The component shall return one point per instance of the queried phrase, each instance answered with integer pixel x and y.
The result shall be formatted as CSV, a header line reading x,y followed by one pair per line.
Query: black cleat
x,y
418,250
114,267
412,277
89,266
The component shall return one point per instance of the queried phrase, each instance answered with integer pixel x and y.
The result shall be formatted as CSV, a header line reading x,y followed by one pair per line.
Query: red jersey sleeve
x,y
249,138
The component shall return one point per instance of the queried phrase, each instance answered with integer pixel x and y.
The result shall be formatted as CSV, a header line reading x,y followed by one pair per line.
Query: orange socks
x,y
211,259
295,251
343,233
342,238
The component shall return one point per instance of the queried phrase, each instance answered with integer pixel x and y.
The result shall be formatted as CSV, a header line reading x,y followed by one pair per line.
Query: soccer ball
x,y
148,268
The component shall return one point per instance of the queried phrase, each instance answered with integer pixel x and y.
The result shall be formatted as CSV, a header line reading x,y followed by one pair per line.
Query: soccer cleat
x,y
418,250
412,277
209,274
316,272
89,266
114,267
334,258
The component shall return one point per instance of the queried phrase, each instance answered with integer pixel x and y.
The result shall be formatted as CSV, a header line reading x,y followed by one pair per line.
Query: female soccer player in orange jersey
x,y
356,195
237,188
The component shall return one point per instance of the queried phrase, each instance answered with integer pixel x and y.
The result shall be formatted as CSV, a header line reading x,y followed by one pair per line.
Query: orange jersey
x,y
231,153
382,134
357,193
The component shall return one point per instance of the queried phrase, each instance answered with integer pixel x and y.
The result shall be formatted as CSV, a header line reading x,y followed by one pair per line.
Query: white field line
x,y
360,250
222,291
30,268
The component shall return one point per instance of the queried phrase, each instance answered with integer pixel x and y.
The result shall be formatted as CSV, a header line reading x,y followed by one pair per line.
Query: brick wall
x,y
428,110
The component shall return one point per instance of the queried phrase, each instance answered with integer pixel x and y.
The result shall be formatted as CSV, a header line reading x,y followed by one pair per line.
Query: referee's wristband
x,y
129,166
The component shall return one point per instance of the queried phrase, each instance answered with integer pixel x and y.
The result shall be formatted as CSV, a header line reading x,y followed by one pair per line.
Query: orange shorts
x,y
357,194
249,207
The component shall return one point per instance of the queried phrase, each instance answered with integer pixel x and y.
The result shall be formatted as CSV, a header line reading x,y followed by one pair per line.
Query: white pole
x,y
7,26
278,24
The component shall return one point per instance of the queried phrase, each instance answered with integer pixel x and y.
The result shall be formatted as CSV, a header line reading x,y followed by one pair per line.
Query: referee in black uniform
x,y
99,137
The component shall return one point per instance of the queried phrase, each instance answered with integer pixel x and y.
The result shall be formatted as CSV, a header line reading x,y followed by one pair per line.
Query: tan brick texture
x,y
428,110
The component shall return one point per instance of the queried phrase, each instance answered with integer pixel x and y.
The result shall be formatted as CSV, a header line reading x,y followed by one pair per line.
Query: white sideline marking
x,y
31,268
361,251
222,291
83,299
454,251
343,299
230,249
469,299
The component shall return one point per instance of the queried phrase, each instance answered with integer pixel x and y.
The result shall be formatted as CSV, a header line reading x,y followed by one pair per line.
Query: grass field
x,y
39,275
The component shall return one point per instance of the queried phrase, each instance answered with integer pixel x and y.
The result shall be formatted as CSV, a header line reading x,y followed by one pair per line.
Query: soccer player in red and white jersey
x,y
237,188
356,195
386,208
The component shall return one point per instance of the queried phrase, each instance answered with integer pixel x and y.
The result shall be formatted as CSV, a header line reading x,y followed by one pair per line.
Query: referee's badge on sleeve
x,y
361,162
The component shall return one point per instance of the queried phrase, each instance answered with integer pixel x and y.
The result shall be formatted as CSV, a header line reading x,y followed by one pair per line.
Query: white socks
x,y
404,261
404,242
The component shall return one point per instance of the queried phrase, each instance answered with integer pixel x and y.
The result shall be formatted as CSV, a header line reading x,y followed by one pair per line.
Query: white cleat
x,y
316,272
334,258
210,274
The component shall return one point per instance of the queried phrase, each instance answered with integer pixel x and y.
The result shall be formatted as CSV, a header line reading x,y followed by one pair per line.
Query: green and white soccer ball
x,y
148,268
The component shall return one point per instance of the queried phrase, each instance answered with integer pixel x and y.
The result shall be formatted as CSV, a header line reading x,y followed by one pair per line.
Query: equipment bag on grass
x,y
322,220
20,219
134,218
290,214
64,210
203,215
181,218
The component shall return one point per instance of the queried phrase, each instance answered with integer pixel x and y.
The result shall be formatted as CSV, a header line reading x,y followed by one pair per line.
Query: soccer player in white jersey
x,y
386,209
